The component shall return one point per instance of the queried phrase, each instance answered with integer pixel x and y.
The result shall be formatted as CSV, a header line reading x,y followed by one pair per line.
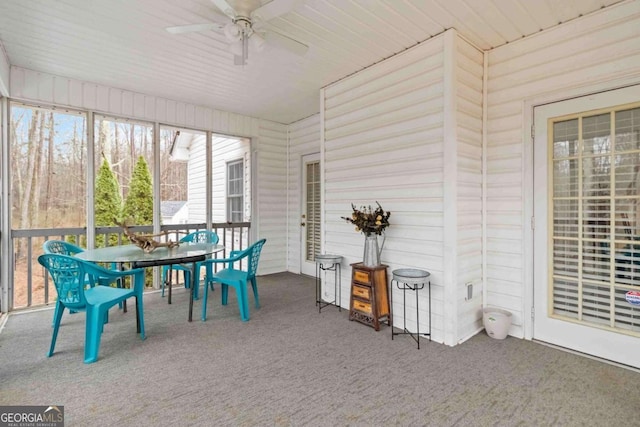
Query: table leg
x,y
391,309
193,286
121,284
337,285
414,288
404,307
337,281
430,310
318,283
169,281
417,317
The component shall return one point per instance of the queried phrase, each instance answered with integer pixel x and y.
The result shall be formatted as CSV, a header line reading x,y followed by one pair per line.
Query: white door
x,y
310,218
587,219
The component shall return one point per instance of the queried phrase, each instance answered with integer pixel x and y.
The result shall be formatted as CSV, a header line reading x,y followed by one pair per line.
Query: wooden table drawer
x,y
361,306
361,292
361,276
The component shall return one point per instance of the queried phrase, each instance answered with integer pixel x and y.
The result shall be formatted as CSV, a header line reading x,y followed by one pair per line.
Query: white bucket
x,y
496,322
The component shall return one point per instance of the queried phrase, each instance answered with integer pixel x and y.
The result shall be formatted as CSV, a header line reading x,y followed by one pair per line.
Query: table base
x,y
337,281
415,288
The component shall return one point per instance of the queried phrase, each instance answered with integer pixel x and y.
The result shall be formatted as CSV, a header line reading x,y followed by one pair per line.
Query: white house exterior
x,y
174,212
439,134
190,147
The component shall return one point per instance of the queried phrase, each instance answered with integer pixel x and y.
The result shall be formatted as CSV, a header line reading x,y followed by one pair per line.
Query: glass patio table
x,y
186,253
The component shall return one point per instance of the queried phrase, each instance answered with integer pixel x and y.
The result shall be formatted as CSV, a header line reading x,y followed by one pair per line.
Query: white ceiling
x,y
123,43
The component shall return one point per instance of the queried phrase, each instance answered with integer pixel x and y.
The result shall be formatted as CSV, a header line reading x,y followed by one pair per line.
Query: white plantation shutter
x,y
312,210
595,212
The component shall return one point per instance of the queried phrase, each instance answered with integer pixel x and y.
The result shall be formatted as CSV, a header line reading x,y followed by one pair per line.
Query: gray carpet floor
x,y
291,366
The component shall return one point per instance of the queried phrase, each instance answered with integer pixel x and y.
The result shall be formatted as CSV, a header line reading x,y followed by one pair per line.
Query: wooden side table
x,y
369,295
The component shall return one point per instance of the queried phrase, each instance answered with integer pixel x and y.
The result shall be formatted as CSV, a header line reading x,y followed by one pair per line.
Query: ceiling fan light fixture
x,y
257,42
236,47
240,32
233,32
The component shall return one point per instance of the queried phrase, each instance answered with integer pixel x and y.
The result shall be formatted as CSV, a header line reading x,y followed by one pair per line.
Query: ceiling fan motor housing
x,y
240,31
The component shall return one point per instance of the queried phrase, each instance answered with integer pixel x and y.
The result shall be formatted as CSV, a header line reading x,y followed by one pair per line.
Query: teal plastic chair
x,y
69,274
202,236
238,279
61,247
65,248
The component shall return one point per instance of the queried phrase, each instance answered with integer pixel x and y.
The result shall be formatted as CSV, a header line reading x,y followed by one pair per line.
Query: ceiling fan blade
x,y
192,28
286,42
274,9
225,8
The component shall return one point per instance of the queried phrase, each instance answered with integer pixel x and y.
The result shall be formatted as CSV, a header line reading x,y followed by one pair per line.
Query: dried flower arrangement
x,y
368,220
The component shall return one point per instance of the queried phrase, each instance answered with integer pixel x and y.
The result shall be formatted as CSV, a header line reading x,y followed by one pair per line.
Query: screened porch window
x,y
595,213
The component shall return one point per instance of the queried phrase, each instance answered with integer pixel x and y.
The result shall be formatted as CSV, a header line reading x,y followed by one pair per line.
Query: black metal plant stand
x,y
326,263
410,279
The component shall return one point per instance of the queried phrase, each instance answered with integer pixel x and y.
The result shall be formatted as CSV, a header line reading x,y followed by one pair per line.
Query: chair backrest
x,y
202,236
254,257
68,275
61,247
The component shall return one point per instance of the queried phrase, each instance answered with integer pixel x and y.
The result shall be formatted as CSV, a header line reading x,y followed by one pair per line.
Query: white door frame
x,y
576,336
307,268
527,181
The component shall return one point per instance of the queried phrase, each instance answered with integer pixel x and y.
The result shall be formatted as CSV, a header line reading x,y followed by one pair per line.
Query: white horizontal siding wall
x,y
197,179
271,197
590,53
468,86
304,138
32,86
383,141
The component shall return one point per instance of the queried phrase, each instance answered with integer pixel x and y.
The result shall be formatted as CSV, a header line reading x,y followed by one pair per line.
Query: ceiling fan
x,y
244,27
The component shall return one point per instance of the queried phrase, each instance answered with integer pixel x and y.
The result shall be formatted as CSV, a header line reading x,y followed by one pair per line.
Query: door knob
x,y
302,224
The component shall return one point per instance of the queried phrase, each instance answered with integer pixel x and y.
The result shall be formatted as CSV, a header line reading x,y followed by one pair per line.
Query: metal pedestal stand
x,y
328,263
413,280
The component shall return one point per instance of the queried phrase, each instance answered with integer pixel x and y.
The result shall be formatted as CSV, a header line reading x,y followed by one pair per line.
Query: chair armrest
x,y
237,255
230,260
138,276
233,257
105,275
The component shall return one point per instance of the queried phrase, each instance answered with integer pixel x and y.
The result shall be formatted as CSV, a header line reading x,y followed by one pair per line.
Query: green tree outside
x,y
138,204
108,202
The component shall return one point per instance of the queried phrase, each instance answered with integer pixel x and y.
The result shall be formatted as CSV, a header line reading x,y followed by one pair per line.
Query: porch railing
x,y
29,286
